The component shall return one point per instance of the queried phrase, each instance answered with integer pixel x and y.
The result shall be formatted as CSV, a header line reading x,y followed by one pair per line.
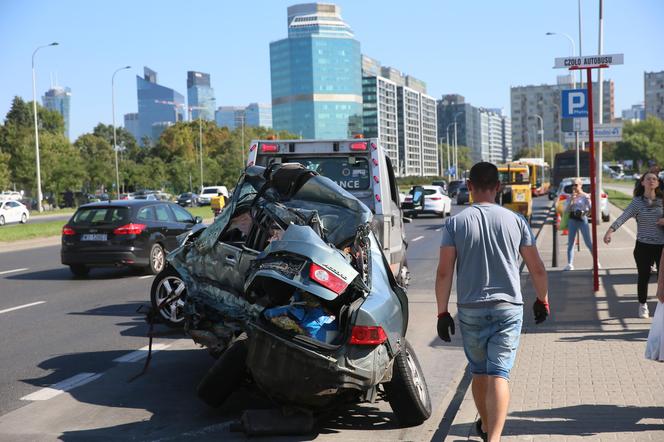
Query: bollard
x,y
554,257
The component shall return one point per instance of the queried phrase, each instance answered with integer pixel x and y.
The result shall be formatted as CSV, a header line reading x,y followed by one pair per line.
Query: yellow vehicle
x,y
217,203
537,169
515,192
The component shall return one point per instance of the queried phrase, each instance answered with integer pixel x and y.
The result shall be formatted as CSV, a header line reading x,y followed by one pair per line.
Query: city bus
x,y
515,192
564,166
540,175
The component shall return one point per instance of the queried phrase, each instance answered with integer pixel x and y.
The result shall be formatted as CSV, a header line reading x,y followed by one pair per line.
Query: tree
x,y
4,170
61,165
98,157
642,142
464,158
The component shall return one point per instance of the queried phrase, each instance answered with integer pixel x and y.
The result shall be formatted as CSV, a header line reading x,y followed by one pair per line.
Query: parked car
x,y
565,192
188,199
453,187
435,201
289,287
147,197
205,197
12,195
13,212
135,233
463,195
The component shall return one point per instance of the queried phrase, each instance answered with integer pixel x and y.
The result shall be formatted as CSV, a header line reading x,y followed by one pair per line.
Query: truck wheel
x,y
225,375
407,392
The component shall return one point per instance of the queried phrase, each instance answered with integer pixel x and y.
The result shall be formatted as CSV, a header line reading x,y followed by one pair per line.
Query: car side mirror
x,y
198,220
418,196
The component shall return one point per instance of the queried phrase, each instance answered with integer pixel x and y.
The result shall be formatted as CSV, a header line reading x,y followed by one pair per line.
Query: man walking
x,y
485,241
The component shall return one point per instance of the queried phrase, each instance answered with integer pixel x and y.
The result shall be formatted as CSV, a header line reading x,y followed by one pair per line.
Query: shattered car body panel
x,y
233,276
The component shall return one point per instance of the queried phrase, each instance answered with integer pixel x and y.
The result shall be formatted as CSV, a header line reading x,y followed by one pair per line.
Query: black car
x,y
453,188
135,233
463,195
188,199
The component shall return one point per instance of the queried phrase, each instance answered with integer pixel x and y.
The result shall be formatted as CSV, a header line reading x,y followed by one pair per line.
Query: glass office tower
x,y
316,75
59,99
158,106
200,96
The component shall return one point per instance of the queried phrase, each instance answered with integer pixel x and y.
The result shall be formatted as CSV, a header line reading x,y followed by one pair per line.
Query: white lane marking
x,y
62,386
21,306
439,229
417,239
146,276
140,353
13,271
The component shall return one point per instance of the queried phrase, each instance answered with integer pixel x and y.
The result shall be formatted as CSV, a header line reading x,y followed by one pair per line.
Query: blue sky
x,y
477,48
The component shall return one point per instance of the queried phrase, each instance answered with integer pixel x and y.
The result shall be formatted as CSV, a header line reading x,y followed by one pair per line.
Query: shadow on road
x,y
63,274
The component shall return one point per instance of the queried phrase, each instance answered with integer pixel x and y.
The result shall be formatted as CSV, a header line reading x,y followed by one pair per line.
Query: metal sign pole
x,y
593,177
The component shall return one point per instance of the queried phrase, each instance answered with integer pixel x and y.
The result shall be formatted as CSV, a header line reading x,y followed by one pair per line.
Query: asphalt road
x,y
71,332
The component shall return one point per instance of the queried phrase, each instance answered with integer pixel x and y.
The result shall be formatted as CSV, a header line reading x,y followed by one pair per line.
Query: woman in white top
x,y
578,208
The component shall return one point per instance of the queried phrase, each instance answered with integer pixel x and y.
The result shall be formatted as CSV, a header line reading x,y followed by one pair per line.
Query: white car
x,y
10,195
13,212
565,192
436,201
205,197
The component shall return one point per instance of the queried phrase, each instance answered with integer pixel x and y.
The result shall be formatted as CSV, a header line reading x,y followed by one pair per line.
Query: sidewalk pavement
x,y
582,373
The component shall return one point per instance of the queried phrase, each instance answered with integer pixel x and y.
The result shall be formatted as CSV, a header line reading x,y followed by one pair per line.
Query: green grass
x,y
619,199
34,213
16,232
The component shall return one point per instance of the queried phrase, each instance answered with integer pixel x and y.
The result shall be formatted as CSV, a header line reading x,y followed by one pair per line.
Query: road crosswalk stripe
x,y
140,353
21,306
13,271
62,386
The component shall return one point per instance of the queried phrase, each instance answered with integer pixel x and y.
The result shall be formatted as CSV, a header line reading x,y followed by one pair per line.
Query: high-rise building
x,y
58,98
200,96
316,75
230,116
487,132
158,106
258,115
635,113
398,111
545,101
653,91
131,124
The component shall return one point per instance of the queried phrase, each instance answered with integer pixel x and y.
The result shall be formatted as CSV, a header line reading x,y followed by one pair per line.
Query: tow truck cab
x,y
361,167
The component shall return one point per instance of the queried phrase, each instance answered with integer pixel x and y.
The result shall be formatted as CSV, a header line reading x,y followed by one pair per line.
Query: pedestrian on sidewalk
x,y
578,208
646,208
485,241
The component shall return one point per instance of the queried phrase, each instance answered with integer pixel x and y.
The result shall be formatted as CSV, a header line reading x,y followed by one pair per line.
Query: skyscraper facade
x,y
230,116
635,113
200,96
653,91
158,106
59,99
545,100
258,115
316,75
131,124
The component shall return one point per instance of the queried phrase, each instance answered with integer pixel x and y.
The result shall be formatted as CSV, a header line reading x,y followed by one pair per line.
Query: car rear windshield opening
x,y
208,191
89,216
349,173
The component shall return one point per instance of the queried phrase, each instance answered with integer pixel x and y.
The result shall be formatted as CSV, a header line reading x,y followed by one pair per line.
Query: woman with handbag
x,y
646,207
578,209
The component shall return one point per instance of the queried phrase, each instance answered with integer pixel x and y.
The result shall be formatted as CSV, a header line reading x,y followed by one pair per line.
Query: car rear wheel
x,y
157,259
407,392
79,269
2,220
24,218
167,296
225,376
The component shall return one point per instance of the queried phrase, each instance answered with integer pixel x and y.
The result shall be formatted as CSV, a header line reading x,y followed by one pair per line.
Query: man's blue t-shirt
x,y
487,238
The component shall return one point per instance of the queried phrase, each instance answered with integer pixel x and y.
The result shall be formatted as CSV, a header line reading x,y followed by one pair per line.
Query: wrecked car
x,y
289,288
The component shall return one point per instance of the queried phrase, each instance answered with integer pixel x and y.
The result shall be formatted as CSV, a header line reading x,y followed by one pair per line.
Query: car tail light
x,y
129,229
68,231
562,197
602,195
408,198
358,146
269,147
367,335
435,198
327,279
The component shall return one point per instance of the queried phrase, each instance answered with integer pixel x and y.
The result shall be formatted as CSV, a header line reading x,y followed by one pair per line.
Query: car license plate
x,y
93,237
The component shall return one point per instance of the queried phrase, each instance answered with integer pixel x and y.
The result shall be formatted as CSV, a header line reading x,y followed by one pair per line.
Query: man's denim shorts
x,y
491,337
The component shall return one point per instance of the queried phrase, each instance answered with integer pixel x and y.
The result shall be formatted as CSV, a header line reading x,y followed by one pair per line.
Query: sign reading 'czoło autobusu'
x,y
588,61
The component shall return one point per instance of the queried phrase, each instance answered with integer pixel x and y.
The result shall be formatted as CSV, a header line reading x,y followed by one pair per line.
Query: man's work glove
x,y
541,310
445,326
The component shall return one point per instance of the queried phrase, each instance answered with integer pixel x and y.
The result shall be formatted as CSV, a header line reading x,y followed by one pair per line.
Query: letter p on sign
x,y
575,103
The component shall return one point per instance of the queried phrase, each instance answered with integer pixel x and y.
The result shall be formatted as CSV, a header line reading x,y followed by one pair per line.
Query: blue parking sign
x,y
575,103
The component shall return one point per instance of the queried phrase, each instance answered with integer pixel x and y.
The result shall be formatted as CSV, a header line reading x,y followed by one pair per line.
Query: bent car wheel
x,y
157,259
407,392
225,375
167,297
79,269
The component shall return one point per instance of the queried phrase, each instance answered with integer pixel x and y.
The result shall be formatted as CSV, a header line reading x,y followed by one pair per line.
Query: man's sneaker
x,y
568,267
643,311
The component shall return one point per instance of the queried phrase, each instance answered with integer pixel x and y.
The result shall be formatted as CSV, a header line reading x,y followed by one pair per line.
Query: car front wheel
x,y
167,296
407,392
157,259
24,218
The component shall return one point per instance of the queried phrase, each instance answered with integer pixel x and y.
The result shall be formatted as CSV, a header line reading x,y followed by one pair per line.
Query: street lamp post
x,y
456,147
115,142
541,120
447,133
34,110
